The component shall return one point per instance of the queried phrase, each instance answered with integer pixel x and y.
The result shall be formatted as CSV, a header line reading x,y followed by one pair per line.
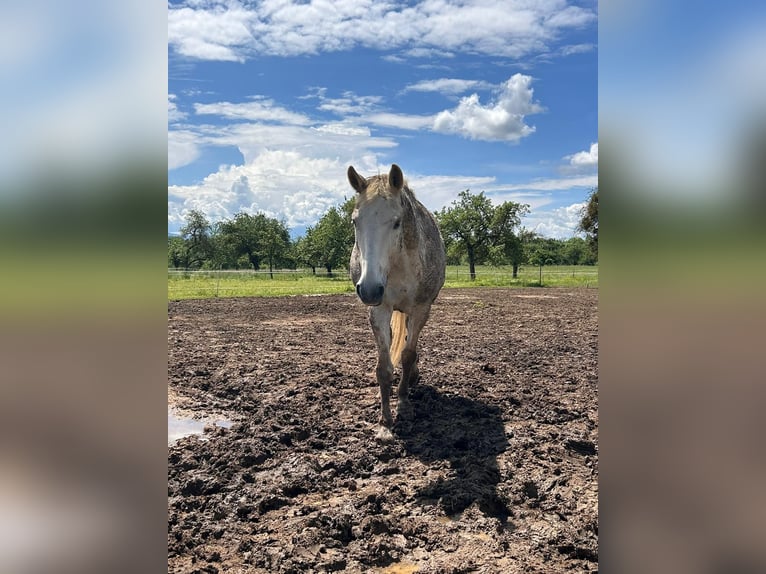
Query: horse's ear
x,y
356,180
396,177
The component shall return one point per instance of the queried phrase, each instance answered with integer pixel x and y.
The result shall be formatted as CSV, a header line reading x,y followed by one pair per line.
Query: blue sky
x,y
270,102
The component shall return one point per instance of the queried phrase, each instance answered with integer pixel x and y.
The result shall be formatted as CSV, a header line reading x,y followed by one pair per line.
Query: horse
x,y
398,265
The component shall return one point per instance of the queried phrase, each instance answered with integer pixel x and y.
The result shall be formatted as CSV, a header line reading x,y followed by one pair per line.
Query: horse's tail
x,y
398,336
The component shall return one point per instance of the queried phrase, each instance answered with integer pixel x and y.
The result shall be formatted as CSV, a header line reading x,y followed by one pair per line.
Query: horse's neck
x,y
411,231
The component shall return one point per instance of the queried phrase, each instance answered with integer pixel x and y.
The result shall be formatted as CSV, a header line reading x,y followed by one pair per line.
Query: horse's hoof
x,y
384,435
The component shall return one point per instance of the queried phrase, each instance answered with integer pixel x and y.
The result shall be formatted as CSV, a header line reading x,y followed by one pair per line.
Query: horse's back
x,y
433,259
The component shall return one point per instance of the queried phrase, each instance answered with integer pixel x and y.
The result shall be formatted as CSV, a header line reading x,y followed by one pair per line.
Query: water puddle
x,y
180,426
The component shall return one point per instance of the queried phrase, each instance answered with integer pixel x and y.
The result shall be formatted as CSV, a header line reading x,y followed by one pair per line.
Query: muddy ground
x,y
497,473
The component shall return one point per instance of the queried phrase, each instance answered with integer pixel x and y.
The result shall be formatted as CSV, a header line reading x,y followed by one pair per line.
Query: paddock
x,y
498,472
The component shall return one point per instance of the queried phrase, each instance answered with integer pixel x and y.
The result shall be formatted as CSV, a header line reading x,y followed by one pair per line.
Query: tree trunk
x,y
472,263
254,261
313,270
329,270
271,269
515,270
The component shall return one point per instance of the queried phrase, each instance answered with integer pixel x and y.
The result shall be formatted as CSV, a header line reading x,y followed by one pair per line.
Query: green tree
x,y
334,238
275,239
306,250
244,234
257,237
482,230
505,241
576,252
589,222
178,254
544,251
197,238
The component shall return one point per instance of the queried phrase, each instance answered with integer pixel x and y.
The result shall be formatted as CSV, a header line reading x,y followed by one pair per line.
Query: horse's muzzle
x,y
370,294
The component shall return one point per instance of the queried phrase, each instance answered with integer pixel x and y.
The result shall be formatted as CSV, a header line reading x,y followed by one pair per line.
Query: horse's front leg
x,y
380,320
415,322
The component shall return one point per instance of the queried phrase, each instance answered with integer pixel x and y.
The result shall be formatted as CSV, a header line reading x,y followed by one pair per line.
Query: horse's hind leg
x,y
380,320
415,322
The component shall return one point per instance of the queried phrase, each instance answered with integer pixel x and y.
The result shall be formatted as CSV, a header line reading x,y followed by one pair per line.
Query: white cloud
x,y
447,86
438,191
182,148
218,30
559,223
282,184
501,120
577,49
174,114
349,104
260,109
559,184
401,121
211,31
583,160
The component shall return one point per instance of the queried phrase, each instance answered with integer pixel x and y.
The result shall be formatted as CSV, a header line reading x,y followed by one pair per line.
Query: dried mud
x,y
496,473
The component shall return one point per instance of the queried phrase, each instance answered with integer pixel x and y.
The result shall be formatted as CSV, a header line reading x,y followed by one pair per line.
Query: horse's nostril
x,y
358,290
380,291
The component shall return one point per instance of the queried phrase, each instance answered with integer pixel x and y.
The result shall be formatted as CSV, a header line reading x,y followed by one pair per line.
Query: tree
x,y
244,235
589,222
506,218
307,251
258,237
576,251
196,235
480,228
275,242
178,254
333,237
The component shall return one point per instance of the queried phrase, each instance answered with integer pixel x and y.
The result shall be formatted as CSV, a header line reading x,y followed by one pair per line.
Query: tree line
x,y
475,232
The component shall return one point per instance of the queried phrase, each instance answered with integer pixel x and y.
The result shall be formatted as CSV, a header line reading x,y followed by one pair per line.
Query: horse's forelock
x,y
377,185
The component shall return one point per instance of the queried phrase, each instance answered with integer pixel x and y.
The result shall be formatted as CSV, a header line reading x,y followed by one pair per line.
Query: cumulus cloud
x,y
559,223
210,31
584,160
282,184
501,120
229,30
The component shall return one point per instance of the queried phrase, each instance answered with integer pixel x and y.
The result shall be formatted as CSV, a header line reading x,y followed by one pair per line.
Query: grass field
x,y
206,284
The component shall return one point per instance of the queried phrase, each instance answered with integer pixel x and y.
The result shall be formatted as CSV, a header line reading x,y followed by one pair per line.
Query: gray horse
x,y
397,265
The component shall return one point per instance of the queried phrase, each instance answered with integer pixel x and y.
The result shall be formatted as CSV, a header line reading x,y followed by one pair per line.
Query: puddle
x,y
180,426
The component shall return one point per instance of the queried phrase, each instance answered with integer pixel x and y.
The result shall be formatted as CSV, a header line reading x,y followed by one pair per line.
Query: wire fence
x,y
203,283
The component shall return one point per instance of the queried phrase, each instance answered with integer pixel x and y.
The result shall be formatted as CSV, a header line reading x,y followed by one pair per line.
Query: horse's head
x,y
377,221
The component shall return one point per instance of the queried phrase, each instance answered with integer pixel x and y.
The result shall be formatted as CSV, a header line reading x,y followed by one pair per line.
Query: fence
x,y
183,284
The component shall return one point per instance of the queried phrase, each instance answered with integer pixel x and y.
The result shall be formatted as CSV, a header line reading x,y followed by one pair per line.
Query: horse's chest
x,y
404,289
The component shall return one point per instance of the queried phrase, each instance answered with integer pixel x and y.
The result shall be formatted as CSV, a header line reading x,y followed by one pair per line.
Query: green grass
x,y
208,284
203,285
528,276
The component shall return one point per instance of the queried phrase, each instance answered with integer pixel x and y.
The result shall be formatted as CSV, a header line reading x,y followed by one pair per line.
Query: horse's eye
x,y
397,223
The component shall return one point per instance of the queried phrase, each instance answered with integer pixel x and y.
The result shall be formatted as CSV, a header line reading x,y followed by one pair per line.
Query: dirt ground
x,y
498,473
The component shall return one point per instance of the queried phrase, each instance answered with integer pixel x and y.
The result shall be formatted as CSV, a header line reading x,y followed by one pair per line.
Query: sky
x,y
269,102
